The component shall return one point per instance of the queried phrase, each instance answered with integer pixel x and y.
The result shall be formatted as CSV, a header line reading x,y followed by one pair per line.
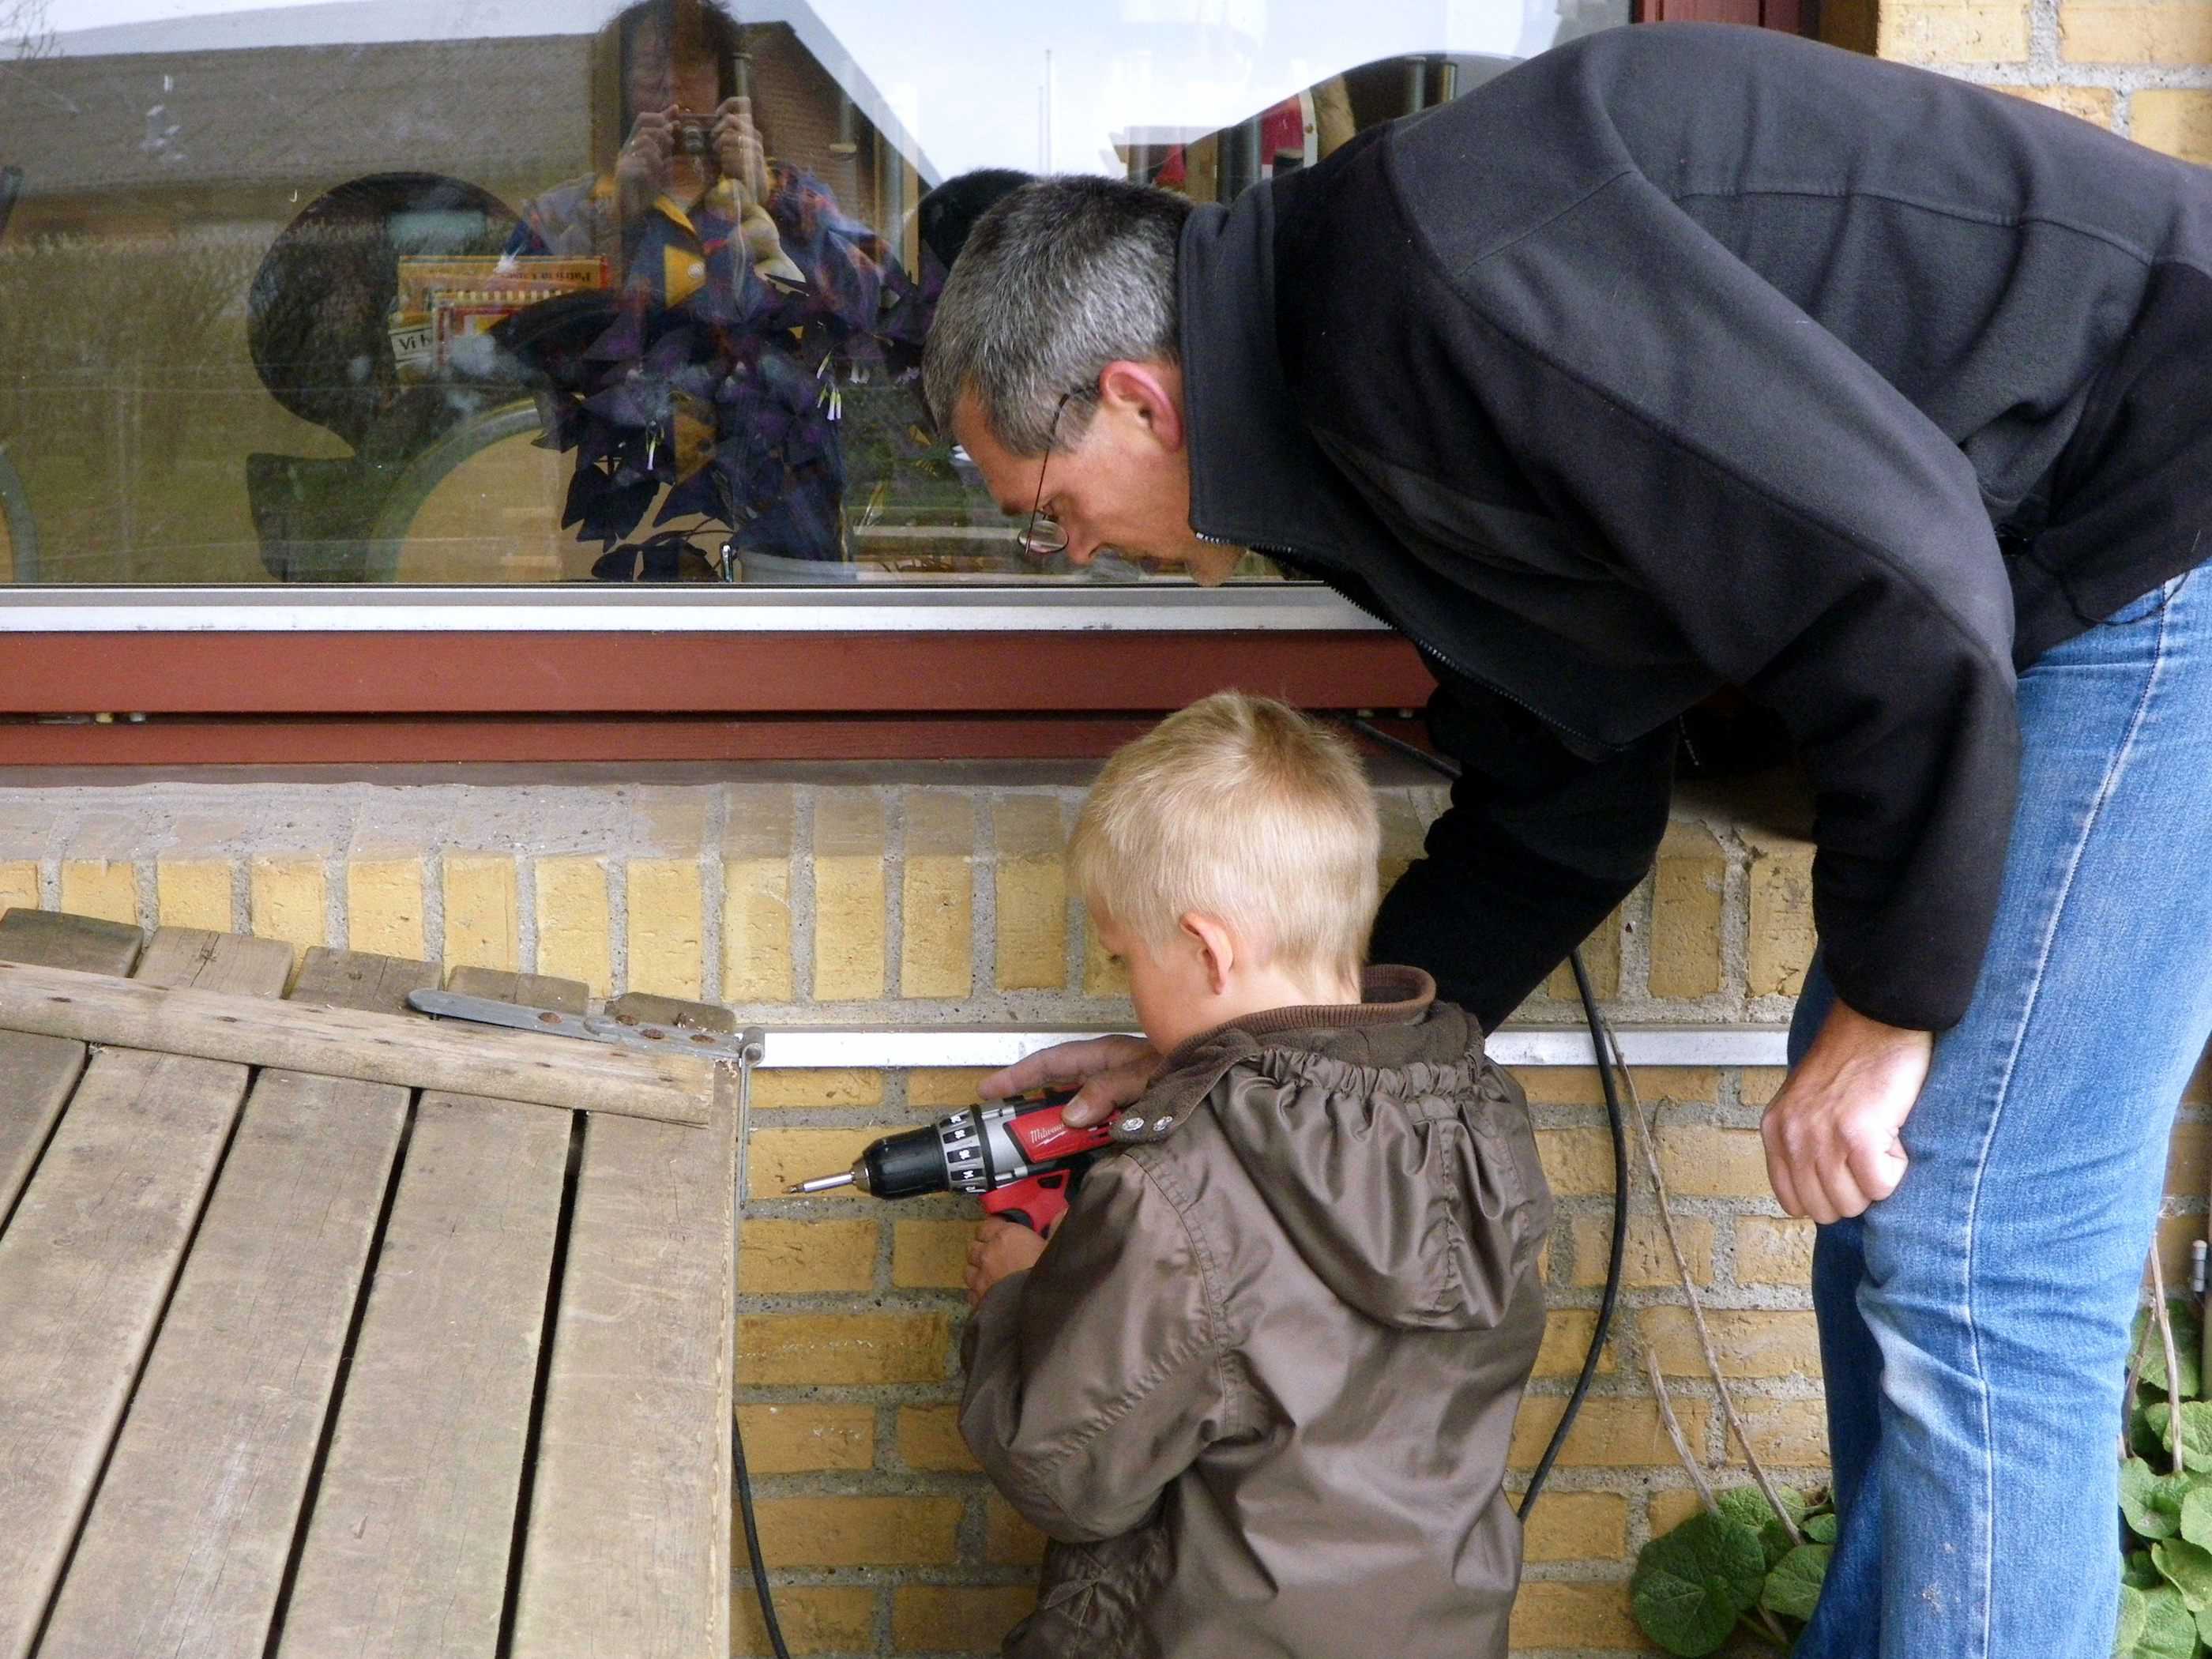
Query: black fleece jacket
x,y
1689,356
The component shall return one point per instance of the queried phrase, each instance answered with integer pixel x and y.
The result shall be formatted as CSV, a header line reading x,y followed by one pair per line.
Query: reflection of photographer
x,y
668,150
742,290
674,143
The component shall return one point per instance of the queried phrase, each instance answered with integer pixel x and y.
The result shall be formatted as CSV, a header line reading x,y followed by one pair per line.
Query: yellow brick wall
x,y
2140,67
941,897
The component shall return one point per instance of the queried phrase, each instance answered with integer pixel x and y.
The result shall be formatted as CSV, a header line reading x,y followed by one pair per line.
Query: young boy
x,y
1259,1386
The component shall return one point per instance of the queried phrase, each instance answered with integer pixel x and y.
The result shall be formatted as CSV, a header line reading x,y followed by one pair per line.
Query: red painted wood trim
x,y
648,674
190,741
187,742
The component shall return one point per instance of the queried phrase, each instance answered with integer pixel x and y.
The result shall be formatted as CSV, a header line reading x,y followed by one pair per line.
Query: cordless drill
x,y
1016,1156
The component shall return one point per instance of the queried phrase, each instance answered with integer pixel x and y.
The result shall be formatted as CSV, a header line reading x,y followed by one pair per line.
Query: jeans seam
x,y
2106,786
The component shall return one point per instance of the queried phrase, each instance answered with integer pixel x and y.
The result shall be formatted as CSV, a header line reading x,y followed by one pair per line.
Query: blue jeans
x,y
1974,1325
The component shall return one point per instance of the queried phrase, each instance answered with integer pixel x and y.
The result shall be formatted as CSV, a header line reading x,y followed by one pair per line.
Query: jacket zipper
x,y
1427,648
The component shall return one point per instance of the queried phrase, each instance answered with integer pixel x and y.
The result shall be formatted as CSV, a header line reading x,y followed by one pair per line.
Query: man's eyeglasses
x,y
1043,536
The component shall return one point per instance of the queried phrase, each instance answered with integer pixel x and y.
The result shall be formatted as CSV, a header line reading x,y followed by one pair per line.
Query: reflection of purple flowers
x,y
729,396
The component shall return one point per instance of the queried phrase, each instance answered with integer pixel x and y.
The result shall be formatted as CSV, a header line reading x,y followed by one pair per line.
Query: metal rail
x,y
705,608
830,1047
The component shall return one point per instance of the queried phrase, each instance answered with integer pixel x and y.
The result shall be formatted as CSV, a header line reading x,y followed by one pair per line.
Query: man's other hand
x,y
1832,1134
642,168
737,149
999,1248
1112,1071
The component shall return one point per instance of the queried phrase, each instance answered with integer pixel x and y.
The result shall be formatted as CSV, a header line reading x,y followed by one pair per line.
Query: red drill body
x,y
1017,1156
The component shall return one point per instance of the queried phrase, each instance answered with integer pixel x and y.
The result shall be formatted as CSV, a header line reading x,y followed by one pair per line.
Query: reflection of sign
x,y
445,301
415,349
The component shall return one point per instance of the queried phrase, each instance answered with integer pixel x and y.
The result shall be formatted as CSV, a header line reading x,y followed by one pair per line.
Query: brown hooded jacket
x,y
1260,1387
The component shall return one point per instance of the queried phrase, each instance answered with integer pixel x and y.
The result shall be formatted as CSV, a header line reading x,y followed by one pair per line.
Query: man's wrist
x,y
1847,1027
1851,1043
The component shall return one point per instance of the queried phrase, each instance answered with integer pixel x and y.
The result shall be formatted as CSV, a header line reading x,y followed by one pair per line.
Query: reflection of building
x,y
161,162
163,140
1213,164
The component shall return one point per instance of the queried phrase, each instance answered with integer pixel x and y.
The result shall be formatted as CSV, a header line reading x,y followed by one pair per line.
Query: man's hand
x,y
1113,1070
737,148
642,168
1832,1134
999,1248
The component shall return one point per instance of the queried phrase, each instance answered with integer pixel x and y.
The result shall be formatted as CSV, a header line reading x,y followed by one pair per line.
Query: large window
x,y
362,293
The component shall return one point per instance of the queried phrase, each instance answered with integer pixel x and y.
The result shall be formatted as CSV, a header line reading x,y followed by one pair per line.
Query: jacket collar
x,y
1388,996
1257,478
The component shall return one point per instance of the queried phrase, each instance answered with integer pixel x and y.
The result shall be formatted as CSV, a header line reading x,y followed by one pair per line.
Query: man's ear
x,y
1149,392
1217,947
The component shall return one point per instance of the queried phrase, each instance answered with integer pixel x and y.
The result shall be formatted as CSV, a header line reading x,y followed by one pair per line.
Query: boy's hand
x,y
1000,1248
1113,1070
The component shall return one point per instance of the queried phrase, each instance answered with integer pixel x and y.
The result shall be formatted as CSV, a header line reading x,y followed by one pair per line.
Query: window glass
x,y
403,291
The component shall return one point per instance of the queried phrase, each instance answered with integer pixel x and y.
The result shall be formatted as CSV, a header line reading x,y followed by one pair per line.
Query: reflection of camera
x,y
692,134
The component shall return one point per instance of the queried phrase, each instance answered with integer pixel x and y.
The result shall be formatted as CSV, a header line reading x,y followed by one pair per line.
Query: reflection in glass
x,y
407,292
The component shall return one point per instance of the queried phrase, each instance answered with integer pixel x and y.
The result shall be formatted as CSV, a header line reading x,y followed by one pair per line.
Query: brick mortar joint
x,y
525,913
894,892
713,896
800,878
433,903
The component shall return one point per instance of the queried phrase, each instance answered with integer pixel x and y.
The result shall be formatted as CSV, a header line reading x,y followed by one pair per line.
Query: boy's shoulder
x,y
1398,1039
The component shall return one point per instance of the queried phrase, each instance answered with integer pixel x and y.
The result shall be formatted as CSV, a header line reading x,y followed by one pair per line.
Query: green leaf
x,y
1821,1529
2188,1569
2134,1615
1692,1585
2144,1439
2188,1346
2152,1502
2195,1429
1794,1588
2196,1511
2169,1631
2140,1570
1748,1506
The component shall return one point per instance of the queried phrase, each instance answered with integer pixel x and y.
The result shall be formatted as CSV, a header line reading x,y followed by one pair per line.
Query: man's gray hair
x,y
1060,279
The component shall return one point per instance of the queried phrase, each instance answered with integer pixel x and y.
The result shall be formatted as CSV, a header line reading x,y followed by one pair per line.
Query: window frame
x,y
175,677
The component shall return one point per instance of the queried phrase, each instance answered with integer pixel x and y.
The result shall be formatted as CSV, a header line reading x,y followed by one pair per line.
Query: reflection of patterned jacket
x,y
784,291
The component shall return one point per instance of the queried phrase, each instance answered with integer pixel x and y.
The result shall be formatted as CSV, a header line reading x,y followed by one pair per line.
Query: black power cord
x,y
752,1541
1606,1053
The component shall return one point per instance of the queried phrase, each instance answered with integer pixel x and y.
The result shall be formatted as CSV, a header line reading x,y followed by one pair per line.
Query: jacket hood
x,y
1377,1135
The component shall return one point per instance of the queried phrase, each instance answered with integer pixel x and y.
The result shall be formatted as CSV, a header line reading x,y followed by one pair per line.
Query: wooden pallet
x,y
307,1366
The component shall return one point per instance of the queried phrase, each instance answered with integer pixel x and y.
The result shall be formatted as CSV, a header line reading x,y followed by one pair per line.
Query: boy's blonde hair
x,y
1242,808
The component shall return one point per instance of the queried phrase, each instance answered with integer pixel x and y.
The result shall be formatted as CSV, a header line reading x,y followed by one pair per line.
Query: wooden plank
x,y
38,1073
56,938
451,1055
88,1261
627,1547
185,1550
407,1551
650,1010
193,962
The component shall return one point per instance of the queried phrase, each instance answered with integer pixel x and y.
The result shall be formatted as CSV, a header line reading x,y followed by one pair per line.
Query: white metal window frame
x,y
1263,607
802,1048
